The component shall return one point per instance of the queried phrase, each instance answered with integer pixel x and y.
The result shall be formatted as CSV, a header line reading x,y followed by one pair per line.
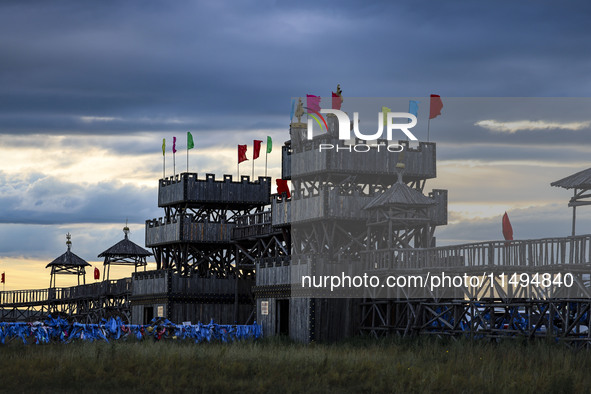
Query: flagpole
x,y
187,157
173,164
163,166
252,179
428,128
266,156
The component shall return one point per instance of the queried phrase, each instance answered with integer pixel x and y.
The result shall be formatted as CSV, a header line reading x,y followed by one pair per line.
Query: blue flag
x,y
413,107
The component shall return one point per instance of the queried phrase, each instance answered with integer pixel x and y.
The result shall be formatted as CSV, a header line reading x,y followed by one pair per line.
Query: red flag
x,y
282,187
173,144
241,153
97,273
436,106
3,280
313,103
336,101
507,229
256,148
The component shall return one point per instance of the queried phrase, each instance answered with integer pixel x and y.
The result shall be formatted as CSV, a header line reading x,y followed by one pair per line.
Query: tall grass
x,y
418,365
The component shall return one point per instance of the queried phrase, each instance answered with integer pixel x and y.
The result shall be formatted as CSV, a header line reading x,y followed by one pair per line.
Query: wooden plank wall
x,y
286,162
186,187
419,162
336,318
214,286
438,212
150,283
281,211
158,232
299,319
277,274
204,313
268,322
187,229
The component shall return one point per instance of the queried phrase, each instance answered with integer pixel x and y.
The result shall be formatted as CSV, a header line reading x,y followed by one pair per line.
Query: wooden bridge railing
x,y
256,224
64,294
523,253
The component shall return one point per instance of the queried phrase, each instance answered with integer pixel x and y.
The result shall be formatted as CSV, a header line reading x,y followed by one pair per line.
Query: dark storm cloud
x,y
148,63
42,199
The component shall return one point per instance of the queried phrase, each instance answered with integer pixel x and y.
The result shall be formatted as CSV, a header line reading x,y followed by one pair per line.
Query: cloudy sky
x,y
88,91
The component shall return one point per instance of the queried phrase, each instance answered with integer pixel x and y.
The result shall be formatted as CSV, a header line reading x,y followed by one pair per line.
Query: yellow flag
x,y
385,111
163,146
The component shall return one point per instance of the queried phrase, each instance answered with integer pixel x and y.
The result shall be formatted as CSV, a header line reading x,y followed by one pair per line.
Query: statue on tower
x,y
299,112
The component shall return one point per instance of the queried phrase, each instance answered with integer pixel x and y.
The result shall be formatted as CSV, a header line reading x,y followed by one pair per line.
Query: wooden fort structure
x,y
228,250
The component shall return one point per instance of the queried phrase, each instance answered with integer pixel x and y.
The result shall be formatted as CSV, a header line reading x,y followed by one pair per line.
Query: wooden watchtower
x,y
67,264
329,226
198,277
124,252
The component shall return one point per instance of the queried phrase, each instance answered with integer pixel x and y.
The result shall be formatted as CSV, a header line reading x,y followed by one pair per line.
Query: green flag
x,y
385,111
190,144
269,144
163,146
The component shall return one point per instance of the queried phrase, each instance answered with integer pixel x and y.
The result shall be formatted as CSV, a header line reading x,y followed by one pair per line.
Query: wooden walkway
x,y
82,302
533,255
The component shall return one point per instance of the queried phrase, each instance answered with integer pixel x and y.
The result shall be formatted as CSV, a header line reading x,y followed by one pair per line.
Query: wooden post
x,y
574,210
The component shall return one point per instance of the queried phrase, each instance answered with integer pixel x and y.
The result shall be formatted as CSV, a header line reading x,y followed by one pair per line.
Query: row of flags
x,y
190,143
256,152
313,105
256,149
241,148
241,152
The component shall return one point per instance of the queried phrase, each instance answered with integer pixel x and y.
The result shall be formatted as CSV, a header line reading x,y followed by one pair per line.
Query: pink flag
x,y
313,103
173,144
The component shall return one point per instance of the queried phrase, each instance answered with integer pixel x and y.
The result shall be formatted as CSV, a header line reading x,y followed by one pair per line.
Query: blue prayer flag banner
x,y
59,330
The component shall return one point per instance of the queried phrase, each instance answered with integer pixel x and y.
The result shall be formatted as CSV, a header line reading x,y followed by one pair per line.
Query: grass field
x,y
417,365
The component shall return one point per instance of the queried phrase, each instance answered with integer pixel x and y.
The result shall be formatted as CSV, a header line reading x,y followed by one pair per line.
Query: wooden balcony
x,y
252,226
568,253
38,297
187,228
154,284
187,189
332,204
420,162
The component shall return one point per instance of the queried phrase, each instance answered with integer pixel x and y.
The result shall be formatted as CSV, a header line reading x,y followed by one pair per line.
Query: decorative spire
x,y
126,229
68,242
